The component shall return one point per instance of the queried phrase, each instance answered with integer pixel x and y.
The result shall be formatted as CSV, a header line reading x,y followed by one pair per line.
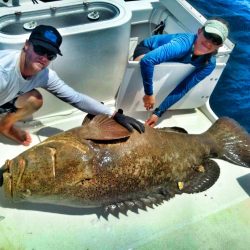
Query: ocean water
x,y
231,96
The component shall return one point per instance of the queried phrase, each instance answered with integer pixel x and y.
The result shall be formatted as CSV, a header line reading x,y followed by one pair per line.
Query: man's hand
x,y
128,122
152,120
149,101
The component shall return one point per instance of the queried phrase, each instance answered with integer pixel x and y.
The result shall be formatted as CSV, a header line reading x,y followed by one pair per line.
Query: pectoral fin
x,y
101,127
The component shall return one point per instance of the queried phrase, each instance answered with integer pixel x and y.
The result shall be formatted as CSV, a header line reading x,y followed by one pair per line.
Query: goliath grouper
x,y
103,164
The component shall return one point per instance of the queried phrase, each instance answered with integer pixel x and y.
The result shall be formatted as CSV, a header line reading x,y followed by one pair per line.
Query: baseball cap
x,y
47,37
216,27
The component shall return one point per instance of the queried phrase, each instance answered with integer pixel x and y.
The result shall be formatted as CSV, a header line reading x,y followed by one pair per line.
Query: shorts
x,y
8,107
140,49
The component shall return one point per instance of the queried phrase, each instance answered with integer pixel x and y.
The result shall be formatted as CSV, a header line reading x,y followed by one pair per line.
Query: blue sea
x,y
231,96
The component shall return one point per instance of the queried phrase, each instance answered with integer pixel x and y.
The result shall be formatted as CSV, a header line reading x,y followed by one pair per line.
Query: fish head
x,y
48,169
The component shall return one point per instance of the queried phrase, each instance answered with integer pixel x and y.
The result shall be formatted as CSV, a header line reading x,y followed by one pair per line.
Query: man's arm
x,y
87,104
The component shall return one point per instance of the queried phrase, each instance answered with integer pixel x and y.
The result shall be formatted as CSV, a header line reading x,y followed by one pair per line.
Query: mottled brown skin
x,y
69,169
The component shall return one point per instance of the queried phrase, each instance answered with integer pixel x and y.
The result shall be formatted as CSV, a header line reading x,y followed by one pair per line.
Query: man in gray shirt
x,y
21,73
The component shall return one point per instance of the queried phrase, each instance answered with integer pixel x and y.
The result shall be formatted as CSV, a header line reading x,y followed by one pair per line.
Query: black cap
x,y
47,37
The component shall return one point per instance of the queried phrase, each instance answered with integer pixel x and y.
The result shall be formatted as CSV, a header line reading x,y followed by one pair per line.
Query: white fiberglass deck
x,y
218,218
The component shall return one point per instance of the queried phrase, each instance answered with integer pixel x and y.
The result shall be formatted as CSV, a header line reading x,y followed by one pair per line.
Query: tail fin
x,y
231,140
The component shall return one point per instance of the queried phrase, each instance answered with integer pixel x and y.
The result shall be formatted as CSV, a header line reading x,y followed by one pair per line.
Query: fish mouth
x,y
6,178
1,177
4,169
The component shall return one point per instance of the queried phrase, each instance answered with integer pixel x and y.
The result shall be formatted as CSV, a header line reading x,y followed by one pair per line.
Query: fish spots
x,y
137,171
144,160
88,172
180,185
200,169
85,157
104,158
85,182
92,146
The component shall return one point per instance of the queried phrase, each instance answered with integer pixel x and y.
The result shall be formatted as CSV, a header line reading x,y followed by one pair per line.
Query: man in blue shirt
x,y
196,49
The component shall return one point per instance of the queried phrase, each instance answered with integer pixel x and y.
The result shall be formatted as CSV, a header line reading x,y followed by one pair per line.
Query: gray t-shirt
x,y
12,84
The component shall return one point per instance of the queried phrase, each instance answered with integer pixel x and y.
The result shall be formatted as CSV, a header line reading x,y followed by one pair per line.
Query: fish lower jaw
x,y
7,184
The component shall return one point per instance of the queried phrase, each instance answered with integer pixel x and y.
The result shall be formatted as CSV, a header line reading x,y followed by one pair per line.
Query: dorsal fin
x,y
101,127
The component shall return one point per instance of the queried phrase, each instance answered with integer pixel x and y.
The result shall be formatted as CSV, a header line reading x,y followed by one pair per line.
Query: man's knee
x,y
33,98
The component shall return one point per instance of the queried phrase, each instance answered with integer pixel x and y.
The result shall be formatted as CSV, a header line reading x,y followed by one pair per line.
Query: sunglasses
x,y
215,39
41,51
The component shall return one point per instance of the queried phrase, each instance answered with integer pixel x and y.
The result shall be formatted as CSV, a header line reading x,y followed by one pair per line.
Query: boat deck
x,y
217,218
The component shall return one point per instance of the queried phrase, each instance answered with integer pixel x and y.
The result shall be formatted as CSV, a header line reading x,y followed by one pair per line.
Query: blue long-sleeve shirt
x,y
173,48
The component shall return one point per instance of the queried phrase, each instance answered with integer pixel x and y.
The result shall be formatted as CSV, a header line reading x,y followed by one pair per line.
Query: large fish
x,y
103,164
